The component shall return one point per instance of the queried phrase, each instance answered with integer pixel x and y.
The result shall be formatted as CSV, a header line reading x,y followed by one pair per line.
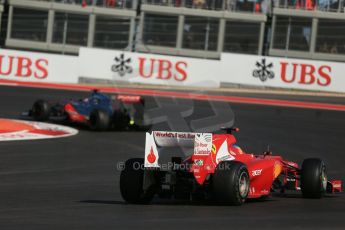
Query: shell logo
x,y
151,158
277,169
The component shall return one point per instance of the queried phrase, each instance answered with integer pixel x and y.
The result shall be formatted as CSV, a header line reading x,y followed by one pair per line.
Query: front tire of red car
x,y
231,183
99,120
313,178
131,183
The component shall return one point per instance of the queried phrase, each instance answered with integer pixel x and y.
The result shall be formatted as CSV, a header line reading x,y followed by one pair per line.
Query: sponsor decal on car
x,y
256,172
199,162
214,149
264,191
151,152
151,158
223,153
203,144
166,138
277,169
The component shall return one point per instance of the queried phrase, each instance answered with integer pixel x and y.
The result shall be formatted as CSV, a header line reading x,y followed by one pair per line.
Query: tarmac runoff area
x,y
72,183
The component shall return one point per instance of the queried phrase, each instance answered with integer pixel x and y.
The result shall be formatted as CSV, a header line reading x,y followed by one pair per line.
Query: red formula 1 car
x,y
216,169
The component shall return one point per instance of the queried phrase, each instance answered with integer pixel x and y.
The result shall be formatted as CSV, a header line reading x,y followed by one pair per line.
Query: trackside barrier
x,y
37,67
232,68
283,72
147,68
104,66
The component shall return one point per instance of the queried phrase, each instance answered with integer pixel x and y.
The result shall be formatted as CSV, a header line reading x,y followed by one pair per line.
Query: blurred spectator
x,y
231,5
334,48
324,48
213,4
110,3
342,48
305,4
258,6
266,6
310,4
178,3
245,5
199,4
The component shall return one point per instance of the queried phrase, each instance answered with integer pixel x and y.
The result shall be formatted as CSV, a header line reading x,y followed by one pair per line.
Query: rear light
x,y
336,186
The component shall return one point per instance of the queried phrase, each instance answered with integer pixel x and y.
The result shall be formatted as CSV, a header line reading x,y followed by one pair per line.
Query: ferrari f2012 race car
x,y
217,170
99,111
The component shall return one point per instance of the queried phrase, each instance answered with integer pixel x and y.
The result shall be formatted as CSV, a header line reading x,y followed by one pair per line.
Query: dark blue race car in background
x,y
99,111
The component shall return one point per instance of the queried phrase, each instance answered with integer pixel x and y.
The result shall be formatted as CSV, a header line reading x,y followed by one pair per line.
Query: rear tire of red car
x,y
41,110
231,183
313,178
99,120
131,183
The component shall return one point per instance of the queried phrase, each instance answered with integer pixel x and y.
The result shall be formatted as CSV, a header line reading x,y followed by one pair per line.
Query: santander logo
x,y
23,67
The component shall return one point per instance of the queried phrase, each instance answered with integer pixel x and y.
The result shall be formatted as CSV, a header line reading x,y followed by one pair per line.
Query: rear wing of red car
x,y
198,143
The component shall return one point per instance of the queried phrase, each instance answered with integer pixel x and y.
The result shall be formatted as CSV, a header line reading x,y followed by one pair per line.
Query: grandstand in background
x,y
313,29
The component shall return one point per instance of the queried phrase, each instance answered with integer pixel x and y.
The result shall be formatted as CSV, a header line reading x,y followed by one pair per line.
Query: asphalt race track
x,y
72,183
